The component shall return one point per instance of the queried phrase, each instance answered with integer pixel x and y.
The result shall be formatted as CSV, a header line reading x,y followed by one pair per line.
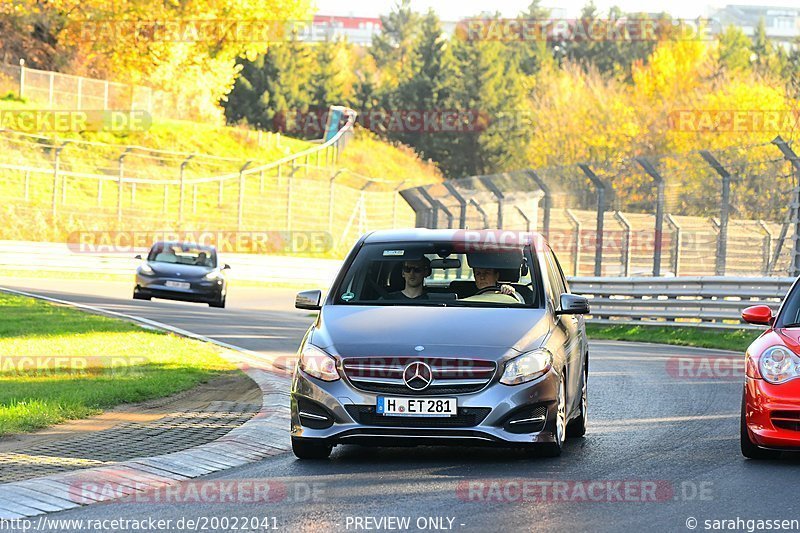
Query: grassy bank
x,y
728,339
58,363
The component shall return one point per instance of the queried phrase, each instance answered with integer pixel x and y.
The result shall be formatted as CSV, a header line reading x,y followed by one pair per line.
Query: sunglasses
x,y
416,270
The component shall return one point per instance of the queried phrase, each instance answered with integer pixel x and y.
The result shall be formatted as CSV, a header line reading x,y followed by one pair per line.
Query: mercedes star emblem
x,y
417,376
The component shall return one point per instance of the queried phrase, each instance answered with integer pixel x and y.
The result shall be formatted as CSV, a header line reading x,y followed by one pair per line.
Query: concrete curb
x,y
265,435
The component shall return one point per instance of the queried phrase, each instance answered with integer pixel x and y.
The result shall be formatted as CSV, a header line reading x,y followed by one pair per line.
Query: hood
x,y
352,331
172,270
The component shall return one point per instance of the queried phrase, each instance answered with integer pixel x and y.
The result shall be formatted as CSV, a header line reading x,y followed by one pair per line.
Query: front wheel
x,y
304,449
750,449
577,426
219,302
139,296
554,449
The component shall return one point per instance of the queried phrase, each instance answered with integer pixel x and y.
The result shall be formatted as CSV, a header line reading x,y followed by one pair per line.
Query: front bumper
x,y
494,407
772,413
198,291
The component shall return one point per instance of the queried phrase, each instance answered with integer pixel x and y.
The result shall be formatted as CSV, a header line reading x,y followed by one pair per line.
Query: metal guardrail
x,y
708,301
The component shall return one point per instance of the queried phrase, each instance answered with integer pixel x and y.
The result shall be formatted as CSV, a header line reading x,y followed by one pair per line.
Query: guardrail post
x,y
625,254
767,247
240,207
525,218
181,188
546,201
601,209
659,225
722,239
576,255
791,156
289,200
486,180
482,212
21,78
676,245
462,217
120,186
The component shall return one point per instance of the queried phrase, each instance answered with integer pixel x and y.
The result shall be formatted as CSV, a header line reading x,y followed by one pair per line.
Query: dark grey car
x,y
182,271
504,364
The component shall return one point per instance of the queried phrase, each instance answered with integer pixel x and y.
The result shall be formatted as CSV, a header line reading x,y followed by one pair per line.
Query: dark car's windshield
x,y
183,254
431,273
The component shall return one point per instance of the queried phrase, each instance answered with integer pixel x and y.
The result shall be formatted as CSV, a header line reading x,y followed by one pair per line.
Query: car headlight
x,y
778,364
145,269
527,367
213,275
317,363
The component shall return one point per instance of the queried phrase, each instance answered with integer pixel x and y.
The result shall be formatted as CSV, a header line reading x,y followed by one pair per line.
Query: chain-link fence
x,y
721,212
50,195
63,91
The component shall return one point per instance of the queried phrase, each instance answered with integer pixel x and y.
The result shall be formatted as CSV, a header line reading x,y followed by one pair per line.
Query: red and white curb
x,y
264,435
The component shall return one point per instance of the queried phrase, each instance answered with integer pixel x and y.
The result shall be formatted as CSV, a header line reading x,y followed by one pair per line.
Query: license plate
x,y
178,284
416,406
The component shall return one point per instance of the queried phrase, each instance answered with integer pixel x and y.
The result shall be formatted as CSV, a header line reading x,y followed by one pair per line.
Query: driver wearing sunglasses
x,y
414,274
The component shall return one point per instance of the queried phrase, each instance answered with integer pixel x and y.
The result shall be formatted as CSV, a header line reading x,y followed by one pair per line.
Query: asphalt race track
x,y
654,435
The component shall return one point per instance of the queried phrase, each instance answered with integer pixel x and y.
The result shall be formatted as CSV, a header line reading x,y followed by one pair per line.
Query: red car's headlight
x,y
778,364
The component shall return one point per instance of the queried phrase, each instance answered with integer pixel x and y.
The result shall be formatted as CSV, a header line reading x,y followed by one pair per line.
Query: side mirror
x,y
572,304
139,257
226,267
309,300
758,314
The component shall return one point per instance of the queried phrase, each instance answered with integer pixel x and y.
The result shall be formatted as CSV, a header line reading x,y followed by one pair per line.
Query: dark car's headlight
x,y
778,364
145,269
214,275
527,367
317,363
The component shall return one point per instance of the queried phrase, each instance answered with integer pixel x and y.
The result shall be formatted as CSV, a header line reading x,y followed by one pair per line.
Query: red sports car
x,y
770,421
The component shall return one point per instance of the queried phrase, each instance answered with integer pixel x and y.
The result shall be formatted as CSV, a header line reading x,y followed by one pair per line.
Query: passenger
x,y
414,274
490,277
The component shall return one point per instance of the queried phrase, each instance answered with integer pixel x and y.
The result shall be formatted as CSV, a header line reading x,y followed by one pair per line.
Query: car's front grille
x,y
448,376
786,420
466,417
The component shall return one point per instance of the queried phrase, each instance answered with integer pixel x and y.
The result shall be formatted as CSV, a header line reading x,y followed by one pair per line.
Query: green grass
x,y
58,363
727,339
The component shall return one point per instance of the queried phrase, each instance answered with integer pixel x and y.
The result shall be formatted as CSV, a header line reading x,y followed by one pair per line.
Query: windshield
x,y
183,254
440,274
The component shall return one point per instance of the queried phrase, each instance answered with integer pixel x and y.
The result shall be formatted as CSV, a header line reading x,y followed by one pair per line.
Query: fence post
x,y
166,198
21,78
434,206
120,186
546,201
56,172
626,246
601,209
676,245
722,239
576,256
181,187
481,211
767,246
462,217
240,208
486,180
791,156
659,226
525,218
289,183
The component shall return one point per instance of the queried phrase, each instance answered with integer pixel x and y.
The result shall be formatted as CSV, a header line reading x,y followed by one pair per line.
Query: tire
x,y
219,302
139,296
304,449
750,449
577,426
554,449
